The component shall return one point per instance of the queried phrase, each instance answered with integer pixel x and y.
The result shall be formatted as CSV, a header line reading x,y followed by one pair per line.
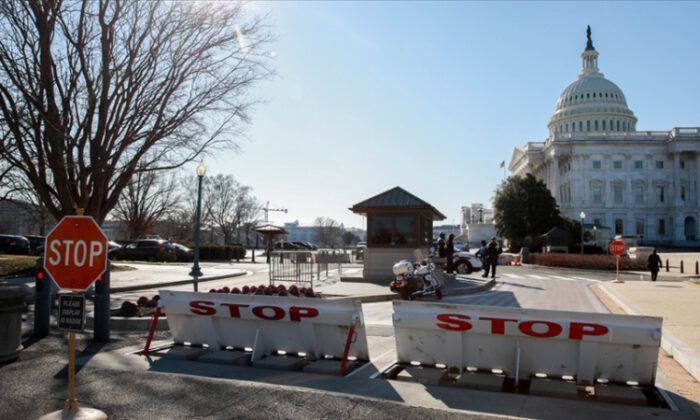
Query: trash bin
x,y
11,306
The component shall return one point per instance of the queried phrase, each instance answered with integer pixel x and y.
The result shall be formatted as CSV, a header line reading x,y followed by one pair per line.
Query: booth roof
x,y
268,228
395,199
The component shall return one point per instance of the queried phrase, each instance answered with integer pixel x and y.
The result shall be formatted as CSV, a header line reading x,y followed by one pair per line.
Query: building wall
x,y
600,174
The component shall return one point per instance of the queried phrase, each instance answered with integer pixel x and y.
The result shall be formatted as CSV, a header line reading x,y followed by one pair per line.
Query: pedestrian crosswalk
x,y
547,277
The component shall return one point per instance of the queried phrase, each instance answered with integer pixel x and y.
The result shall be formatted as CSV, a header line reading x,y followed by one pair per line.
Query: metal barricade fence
x,y
303,267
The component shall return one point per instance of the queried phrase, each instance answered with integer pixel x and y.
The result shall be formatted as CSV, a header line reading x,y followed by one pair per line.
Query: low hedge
x,y
221,252
589,262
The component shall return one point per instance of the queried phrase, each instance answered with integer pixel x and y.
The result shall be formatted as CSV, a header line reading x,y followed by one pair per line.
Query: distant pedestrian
x,y
481,254
654,265
441,245
493,250
449,252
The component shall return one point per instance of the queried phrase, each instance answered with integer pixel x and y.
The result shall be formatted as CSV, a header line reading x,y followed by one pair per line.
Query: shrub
x,y
591,262
221,252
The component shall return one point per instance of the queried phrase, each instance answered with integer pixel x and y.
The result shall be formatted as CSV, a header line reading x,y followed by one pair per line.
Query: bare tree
x,y
228,204
145,202
92,93
327,232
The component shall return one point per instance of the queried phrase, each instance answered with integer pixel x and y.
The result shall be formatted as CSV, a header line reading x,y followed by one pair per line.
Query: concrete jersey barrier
x,y
266,324
525,342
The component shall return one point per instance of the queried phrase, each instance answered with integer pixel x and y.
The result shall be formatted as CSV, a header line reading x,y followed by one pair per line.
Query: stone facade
x,y
642,183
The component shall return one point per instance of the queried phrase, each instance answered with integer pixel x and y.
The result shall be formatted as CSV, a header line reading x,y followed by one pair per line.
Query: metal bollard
x,y
697,268
102,307
42,300
667,265
681,266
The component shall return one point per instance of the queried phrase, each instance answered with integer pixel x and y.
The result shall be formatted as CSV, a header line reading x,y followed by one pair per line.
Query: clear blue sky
x,y
432,96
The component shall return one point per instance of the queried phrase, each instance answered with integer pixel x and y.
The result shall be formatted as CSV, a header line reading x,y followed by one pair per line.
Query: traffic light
x,y
40,279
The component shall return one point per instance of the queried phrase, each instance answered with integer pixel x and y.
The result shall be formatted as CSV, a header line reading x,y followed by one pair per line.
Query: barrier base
x,y
79,413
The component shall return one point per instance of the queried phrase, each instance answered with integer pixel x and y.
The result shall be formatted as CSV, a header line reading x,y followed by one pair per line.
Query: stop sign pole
x,y
75,255
617,248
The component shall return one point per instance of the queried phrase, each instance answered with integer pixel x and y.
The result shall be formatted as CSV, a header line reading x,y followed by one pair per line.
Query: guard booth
x,y
398,222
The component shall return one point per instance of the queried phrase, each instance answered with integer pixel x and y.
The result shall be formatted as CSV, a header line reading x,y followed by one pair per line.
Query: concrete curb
x,y
685,355
173,283
121,323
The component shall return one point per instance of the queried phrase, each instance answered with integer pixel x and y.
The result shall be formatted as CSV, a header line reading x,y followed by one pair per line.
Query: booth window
x,y
380,230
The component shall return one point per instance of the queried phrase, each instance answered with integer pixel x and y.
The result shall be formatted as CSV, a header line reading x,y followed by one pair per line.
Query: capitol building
x,y
599,167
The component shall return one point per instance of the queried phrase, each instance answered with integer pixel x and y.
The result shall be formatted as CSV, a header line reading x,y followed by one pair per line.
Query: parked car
x,y
145,250
302,245
183,253
466,262
287,246
35,242
15,244
111,245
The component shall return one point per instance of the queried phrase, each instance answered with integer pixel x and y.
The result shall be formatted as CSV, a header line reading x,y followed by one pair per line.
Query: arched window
x,y
618,125
606,95
596,123
611,125
580,126
588,95
594,94
573,127
603,125
624,126
588,125
567,127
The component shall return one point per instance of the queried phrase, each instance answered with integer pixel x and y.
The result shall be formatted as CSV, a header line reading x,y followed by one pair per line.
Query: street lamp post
x,y
595,235
196,271
582,215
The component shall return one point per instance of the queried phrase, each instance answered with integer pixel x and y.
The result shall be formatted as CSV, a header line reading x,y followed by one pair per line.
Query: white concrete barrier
x,y
526,342
266,324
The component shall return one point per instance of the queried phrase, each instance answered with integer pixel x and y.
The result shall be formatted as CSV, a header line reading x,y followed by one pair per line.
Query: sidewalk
x,y
676,302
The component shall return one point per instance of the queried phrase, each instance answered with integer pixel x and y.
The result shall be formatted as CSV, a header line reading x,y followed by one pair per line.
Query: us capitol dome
x,y
609,176
591,102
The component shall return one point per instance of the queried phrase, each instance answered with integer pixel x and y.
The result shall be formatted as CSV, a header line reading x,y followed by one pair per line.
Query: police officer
x,y
442,245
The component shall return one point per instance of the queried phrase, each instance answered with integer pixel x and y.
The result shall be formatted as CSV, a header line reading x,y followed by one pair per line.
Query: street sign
x,y
75,253
617,247
71,312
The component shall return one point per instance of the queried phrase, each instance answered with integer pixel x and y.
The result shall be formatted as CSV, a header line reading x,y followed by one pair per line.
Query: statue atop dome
x,y
589,41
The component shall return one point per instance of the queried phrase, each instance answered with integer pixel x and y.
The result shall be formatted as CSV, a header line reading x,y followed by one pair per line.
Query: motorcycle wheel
x,y
405,294
438,293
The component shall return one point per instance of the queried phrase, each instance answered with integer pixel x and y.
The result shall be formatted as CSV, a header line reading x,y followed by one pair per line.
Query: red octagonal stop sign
x,y
75,253
617,247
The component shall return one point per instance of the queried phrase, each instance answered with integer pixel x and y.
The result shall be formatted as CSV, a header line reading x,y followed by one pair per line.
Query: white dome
x,y
592,103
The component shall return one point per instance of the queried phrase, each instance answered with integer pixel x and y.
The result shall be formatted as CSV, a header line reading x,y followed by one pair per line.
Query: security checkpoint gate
x,y
267,324
526,342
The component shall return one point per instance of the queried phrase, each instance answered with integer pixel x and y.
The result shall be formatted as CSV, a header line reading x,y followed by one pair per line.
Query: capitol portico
x,y
642,183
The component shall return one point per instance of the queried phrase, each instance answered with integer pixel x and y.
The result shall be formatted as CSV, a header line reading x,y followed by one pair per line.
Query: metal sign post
x,y
617,248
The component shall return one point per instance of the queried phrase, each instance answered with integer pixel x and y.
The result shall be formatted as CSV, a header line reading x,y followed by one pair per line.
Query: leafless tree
x,y
228,204
147,200
328,232
92,93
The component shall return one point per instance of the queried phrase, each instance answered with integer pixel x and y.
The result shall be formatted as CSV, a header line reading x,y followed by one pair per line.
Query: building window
x,y
618,226
617,194
682,192
573,127
567,126
588,126
660,193
405,230
639,228
611,125
638,164
596,164
659,164
682,164
638,194
596,123
597,195
617,164
661,230
580,126
618,125
603,125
